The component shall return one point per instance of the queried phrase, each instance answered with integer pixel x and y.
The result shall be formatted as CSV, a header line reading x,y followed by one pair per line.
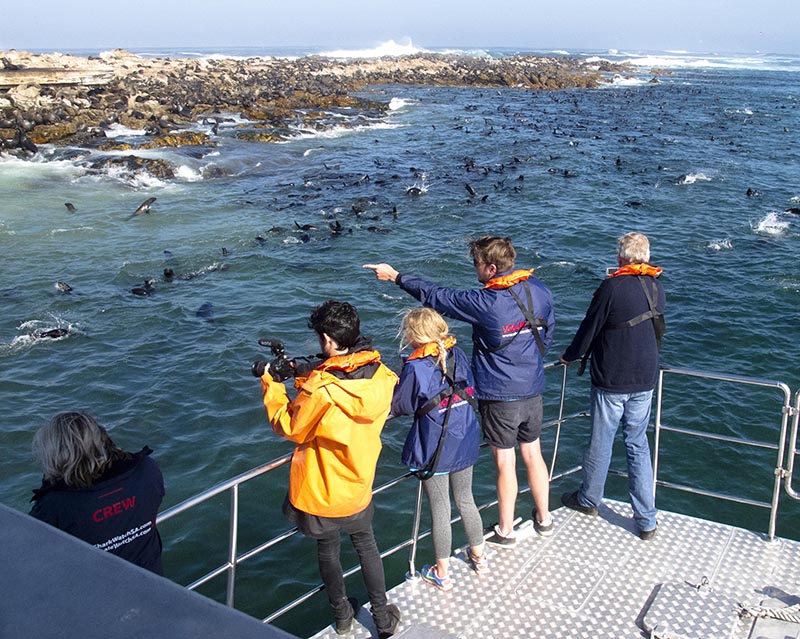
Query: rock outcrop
x,y
63,99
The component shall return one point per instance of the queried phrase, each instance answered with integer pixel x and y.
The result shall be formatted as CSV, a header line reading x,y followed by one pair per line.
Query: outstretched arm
x,y
383,272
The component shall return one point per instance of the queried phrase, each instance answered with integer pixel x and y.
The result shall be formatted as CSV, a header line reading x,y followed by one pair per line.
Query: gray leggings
x,y
436,489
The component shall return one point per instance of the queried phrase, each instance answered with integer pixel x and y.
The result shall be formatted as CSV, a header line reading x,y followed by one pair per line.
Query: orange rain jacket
x,y
336,421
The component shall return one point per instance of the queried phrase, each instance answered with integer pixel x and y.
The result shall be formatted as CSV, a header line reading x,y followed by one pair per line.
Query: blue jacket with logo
x,y
515,371
421,380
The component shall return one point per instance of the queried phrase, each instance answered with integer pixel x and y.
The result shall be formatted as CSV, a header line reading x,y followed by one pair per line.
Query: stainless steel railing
x,y
231,486
780,446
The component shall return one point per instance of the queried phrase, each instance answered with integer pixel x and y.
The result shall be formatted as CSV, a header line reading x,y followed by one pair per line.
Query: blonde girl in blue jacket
x,y
436,386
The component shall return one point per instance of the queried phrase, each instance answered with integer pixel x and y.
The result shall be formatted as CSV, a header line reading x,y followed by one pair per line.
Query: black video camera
x,y
282,368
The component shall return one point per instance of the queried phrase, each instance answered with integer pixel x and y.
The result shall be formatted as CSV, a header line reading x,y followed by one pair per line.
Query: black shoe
x,y
394,620
570,500
647,535
345,624
543,529
500,541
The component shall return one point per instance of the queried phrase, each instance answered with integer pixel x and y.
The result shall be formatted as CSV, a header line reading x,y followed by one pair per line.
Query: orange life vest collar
x,y
507,281
431,349
350,362
638,269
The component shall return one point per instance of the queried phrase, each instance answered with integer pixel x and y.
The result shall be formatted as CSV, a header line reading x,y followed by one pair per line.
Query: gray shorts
x,y
506,424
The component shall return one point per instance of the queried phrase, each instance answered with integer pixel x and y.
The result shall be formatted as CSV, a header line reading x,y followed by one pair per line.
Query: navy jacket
x,y
516,371
623,360
117,513
421,380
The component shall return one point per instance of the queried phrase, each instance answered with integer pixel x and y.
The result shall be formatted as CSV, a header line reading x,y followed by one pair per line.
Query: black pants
x,y
330,569
327,531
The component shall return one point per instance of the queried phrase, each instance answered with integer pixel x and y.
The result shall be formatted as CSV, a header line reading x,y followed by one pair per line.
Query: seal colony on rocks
x,y
71,100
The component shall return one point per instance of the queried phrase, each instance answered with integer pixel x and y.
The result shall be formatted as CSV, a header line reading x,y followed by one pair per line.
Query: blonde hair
x,y
634,247
75,449
422,326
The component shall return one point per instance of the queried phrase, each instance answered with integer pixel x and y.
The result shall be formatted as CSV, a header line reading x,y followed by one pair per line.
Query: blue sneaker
x,y
429,575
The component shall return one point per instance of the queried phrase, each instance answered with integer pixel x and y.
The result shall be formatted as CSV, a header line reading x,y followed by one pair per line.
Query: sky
x,y
720,26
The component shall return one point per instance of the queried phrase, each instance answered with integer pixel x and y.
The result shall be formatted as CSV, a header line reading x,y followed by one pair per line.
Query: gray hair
x,y
634,247
75,449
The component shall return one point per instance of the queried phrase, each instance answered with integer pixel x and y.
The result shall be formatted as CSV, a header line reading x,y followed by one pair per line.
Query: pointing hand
x,y
383,272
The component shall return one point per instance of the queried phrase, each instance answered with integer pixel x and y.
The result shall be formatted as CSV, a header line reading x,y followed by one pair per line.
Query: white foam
x,y
140,180
627,81
719,245
685,60
336,132
188,174
38,166
470,53
421,184
388,48
77,229
308,152
772,224
117,130
691,178
396,104
795,199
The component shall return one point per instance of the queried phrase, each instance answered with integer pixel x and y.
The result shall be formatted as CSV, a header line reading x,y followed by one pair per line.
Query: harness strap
x,y
658,323
652,313
450,392
531,321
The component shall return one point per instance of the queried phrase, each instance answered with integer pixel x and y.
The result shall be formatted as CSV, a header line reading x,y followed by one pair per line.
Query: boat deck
x,y
595,578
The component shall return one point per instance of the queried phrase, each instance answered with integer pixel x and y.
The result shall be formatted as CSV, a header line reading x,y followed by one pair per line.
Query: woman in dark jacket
x,y
96,491
436,386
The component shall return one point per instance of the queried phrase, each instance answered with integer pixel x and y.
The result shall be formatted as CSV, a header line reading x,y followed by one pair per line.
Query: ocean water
x,y
564,174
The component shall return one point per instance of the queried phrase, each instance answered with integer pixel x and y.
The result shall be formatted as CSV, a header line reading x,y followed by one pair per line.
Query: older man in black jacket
x,y
622,331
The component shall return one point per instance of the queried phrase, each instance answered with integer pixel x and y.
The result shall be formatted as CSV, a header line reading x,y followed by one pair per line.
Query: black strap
x,y
531,321
450,392
658,323
642,316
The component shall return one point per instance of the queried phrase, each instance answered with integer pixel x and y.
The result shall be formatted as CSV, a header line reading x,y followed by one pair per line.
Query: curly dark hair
x,y
339,320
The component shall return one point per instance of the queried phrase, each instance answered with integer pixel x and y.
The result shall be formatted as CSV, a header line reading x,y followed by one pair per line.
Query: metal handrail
x,y
232,485
780,447
795,412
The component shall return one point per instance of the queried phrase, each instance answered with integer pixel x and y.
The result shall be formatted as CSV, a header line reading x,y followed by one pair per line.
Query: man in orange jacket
x,y
336,421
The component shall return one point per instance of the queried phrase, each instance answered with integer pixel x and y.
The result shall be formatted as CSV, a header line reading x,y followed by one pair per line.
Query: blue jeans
x,y
608,411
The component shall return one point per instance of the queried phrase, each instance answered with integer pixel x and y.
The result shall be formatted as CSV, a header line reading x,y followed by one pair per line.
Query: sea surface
x,y
562,173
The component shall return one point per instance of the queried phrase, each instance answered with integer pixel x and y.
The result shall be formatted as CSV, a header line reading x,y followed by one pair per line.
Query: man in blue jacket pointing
x,y
512,326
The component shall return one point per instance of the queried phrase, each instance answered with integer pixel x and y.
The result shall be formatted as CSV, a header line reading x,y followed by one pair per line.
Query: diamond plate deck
x,y
595,578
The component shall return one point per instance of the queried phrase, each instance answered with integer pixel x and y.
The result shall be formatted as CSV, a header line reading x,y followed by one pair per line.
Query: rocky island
x,y
72,101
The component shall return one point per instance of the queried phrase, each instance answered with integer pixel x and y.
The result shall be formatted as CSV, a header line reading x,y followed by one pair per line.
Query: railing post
x,y
657,439
792,447
779,468
232,544
560,417
412,572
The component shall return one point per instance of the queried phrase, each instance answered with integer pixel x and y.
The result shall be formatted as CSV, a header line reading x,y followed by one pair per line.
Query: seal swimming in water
x,y
205,312
145,289
70,206
53,333
144,207
63,287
